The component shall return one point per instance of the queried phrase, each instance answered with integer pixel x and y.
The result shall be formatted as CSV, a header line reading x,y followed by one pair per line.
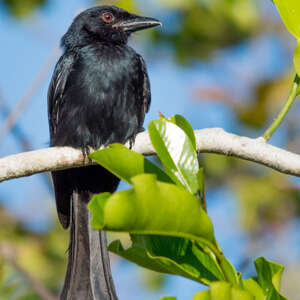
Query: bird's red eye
x,y
107,17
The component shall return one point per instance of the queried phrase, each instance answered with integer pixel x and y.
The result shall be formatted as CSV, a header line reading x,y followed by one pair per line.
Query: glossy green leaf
x,y
297,58
153,207
176,152
125,163
168,298
183,123
269,278
170,255
289,11
223,291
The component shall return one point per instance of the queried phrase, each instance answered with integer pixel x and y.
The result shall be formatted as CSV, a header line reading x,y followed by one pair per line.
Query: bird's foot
x,y
85,152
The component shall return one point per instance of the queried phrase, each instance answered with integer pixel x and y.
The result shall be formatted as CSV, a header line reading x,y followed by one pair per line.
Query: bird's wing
x,y
55,103
146,93
56,89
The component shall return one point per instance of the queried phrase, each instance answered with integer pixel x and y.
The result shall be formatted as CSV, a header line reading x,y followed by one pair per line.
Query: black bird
x,y
99,94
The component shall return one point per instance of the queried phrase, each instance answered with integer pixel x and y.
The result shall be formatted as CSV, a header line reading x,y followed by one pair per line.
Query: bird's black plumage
x,y
99,94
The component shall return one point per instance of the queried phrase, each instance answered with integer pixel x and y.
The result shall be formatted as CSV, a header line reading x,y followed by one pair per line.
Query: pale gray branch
x,y
213,140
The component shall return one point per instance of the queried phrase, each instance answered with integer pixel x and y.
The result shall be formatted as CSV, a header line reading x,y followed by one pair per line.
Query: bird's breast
x,y
103,103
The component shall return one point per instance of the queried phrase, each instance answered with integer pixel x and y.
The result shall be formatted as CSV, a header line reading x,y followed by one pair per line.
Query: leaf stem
x,y
227,268
229,272
290,100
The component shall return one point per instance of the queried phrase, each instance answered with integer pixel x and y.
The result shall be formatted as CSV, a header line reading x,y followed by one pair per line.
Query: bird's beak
x,y
137,23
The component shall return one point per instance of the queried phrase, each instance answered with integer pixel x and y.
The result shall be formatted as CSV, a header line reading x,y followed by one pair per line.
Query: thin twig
x,y
17,131
14,115
278,120
21,137
9,253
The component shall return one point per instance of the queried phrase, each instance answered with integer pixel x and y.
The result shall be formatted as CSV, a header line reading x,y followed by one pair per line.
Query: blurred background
x,y
220,63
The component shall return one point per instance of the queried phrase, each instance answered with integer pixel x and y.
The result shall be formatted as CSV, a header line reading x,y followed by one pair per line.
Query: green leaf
x,y
153,207
182,122
168,298
297,58
97,204
269,278
204,295
223,291
125,163
170,255
176,152
253,287
289,11
229,271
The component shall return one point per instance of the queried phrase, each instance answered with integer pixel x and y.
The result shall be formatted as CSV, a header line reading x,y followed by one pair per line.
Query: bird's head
x,y
106,24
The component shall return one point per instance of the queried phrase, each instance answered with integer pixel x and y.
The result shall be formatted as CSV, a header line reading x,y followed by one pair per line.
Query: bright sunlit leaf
x,y
176,152
153,207
289,11
223,291
253,287
126,164
297,58
183,123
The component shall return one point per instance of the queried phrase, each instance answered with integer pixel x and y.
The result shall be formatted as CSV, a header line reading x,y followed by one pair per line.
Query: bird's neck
x,y
71,42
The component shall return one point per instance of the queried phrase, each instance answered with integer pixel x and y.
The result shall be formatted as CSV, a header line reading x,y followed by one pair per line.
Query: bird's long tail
x,y
88,256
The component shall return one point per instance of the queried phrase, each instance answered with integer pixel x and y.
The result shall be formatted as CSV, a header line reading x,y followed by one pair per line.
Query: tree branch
x,y
213,140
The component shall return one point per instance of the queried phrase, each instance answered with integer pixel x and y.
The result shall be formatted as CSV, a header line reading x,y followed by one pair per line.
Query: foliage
x,y
22,9
224,291
205,26
290,13
169,228
42,256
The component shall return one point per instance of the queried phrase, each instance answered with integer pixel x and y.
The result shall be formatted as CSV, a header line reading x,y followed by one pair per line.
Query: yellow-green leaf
x,y
223,291
153,207
176,152
297,58
125,163
289,11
